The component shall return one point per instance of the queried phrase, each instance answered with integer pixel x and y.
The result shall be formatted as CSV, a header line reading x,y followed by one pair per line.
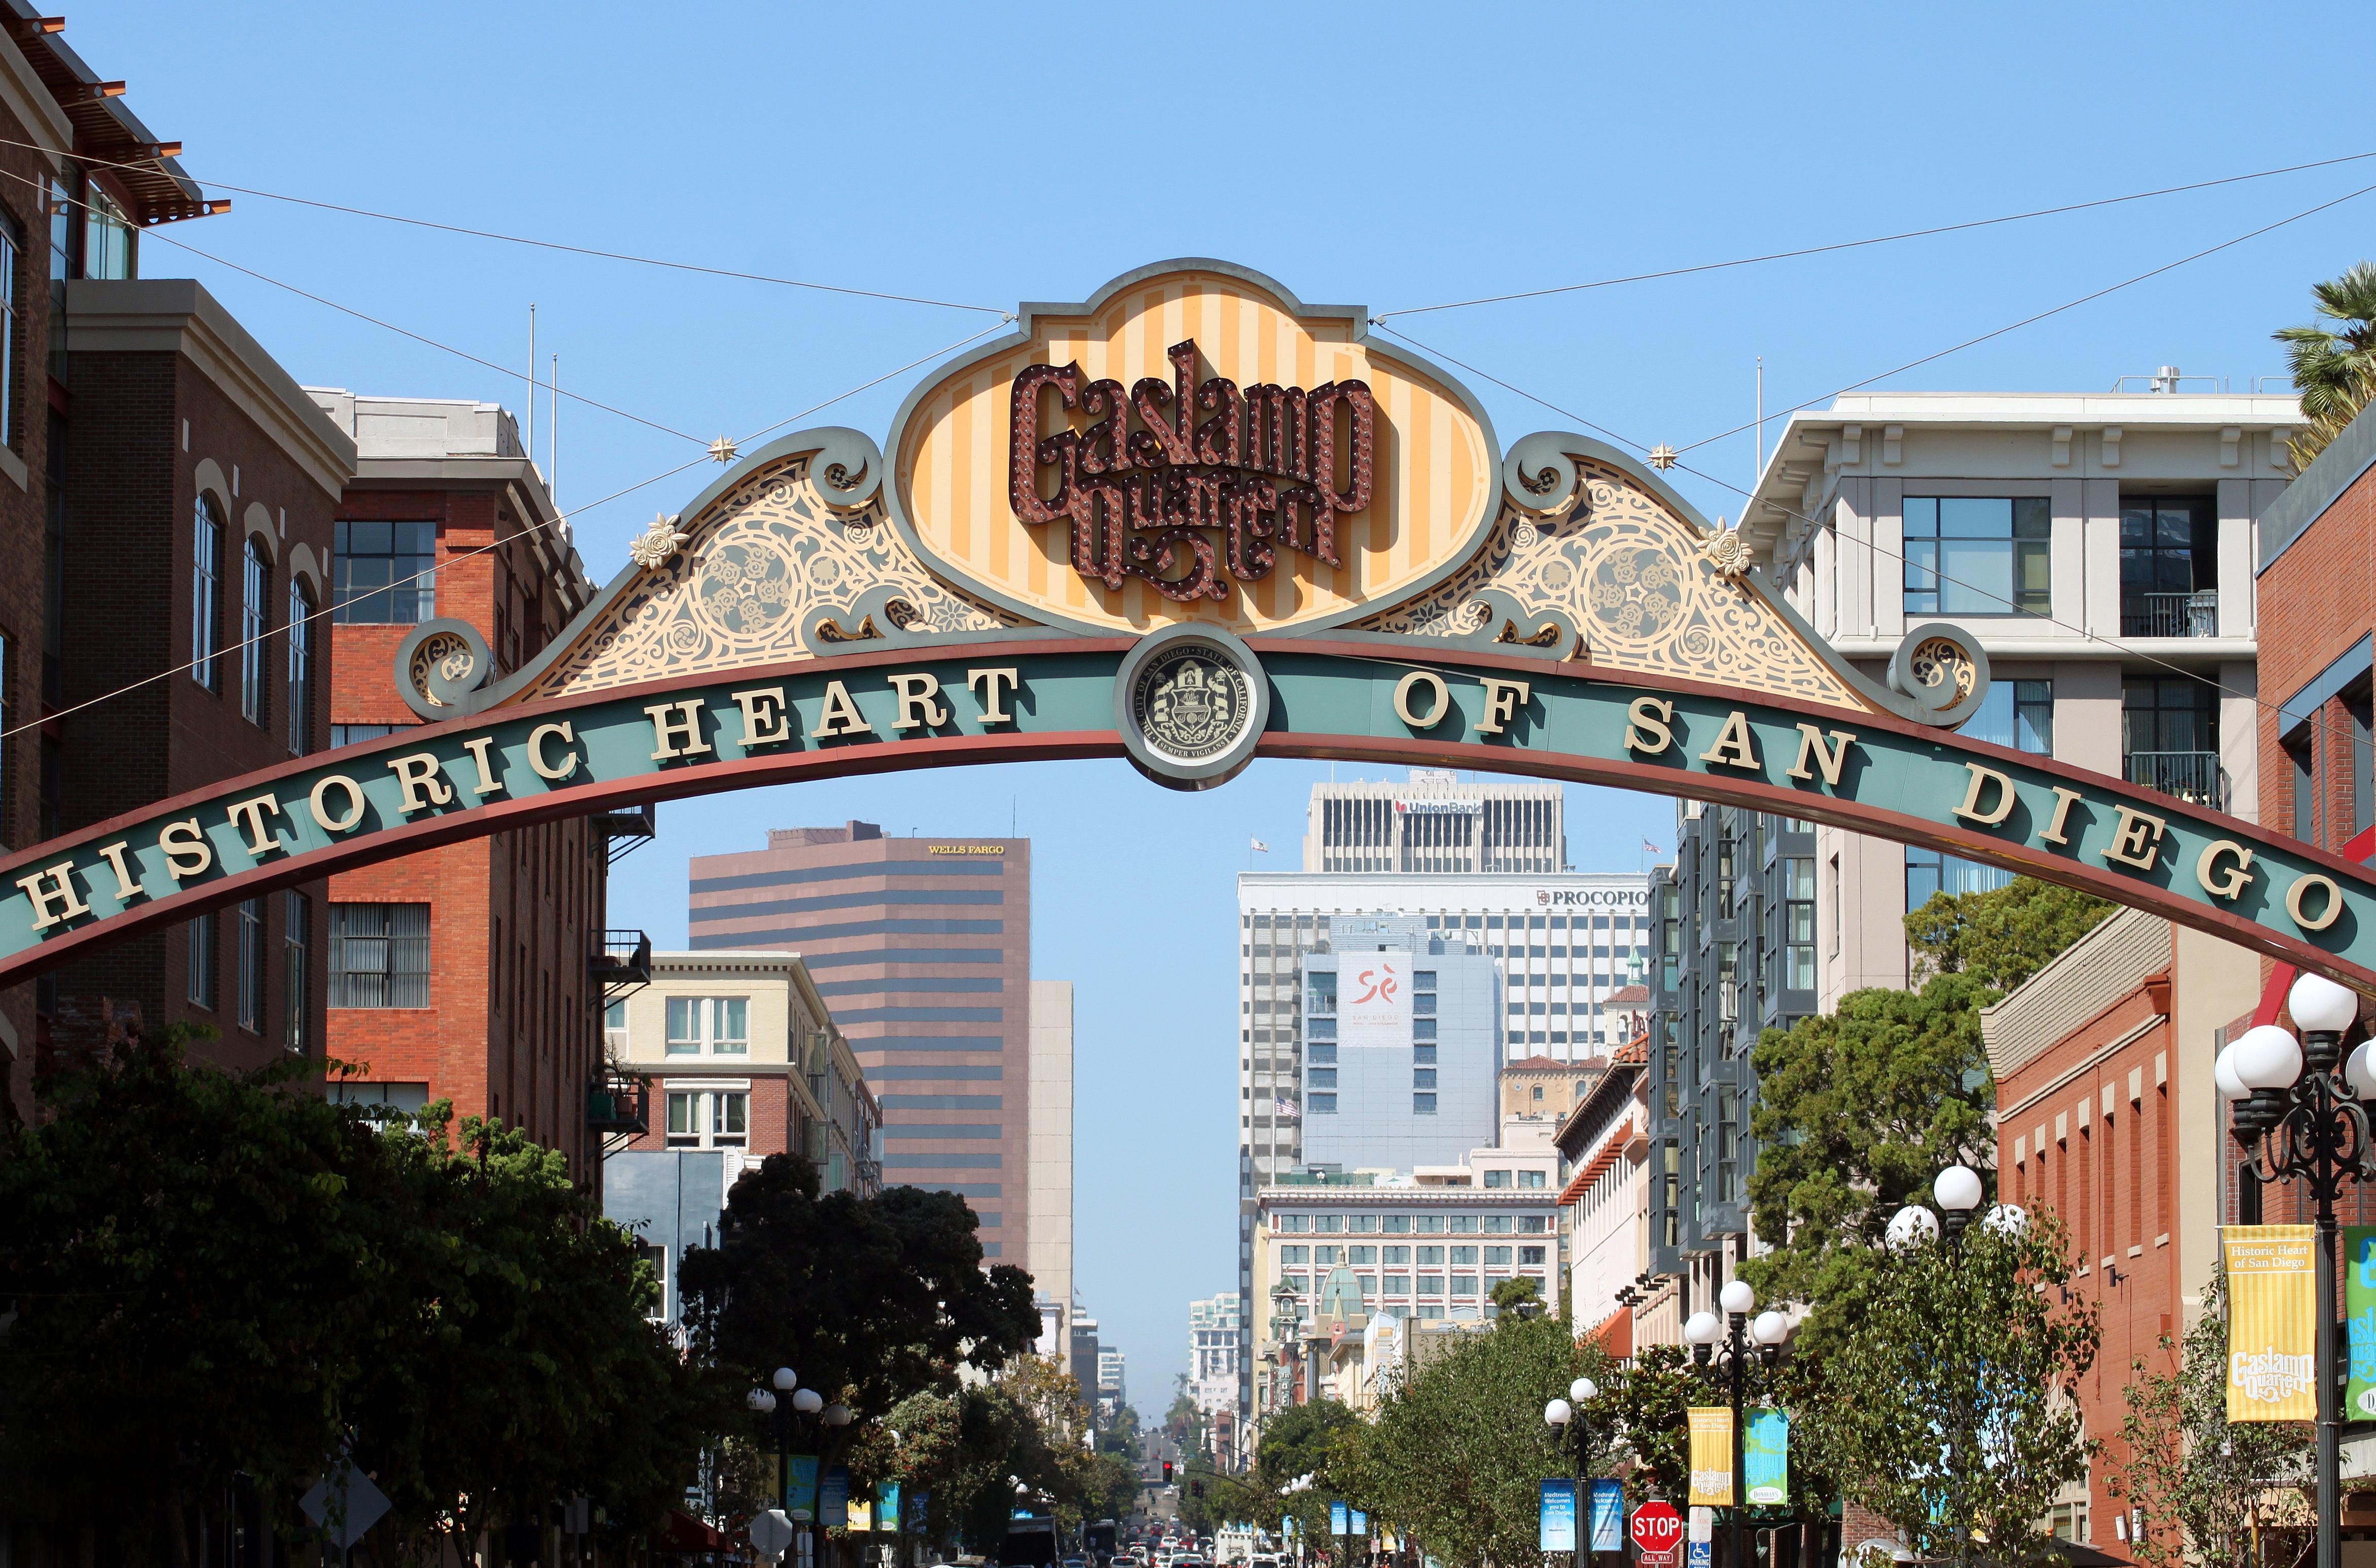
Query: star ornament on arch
x,y
723,450
1663,456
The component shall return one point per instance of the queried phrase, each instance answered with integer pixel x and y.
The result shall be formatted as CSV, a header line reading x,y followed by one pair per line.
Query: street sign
x,y
1703,1554
1555,1517
1608,1517
772,1533
344,1505
1656,1530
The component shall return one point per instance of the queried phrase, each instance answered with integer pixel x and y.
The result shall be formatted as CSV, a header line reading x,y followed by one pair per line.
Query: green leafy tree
x,y
869,1300
1646,1404
1952,1409
2205,1489
1458,1449
192,1294
1859,1110
2333,359
529,1370
219,1275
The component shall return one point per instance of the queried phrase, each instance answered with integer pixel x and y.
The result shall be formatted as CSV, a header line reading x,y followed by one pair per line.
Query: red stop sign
x,y
1657,1527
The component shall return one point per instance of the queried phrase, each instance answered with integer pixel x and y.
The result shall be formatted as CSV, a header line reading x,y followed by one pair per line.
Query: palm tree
x,y
2335,360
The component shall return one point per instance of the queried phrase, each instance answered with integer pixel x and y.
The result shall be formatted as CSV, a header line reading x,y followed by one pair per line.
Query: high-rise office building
x,y
1434,825
1560,945
922,948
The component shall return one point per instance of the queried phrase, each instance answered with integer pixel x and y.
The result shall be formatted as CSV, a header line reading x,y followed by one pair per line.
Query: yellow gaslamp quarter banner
x,y
1711,1456
2272,1323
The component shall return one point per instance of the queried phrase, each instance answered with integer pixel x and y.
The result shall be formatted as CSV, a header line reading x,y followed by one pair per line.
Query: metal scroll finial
x,y
657,542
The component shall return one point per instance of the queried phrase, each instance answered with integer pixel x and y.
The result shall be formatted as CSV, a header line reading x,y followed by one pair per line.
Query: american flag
x,y
1286,1108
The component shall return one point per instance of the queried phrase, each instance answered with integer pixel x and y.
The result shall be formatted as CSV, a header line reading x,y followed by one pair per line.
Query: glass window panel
x,y
730,1017
683,1026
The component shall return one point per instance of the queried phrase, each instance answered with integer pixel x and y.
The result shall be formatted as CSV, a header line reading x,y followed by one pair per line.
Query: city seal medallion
x,y
1191,703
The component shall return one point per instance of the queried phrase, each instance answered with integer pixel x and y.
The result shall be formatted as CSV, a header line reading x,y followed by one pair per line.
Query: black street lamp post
x,y
2299,1111
1572,1432
1741,1339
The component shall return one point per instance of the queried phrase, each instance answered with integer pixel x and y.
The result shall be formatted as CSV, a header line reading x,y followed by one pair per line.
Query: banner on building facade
x,y
1608,1517
1765,1456
800,1489
2272,1322
1711,1456
1373,1002
833,1498
2359,1315
1555,1517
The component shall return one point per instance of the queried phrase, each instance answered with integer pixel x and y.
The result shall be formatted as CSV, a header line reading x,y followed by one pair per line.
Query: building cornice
x,y
177,315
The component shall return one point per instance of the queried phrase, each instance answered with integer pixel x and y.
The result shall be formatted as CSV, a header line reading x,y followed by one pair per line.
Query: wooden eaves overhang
x,y
106,133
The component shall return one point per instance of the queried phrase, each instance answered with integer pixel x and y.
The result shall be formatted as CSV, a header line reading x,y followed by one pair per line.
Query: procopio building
x,y
1482,861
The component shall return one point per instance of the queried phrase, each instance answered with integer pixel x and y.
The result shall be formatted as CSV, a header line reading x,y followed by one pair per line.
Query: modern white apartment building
x,y
1428,1246
1560,945
2100,545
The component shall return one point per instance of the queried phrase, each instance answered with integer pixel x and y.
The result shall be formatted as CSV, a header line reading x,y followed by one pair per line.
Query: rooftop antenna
x,y
530,442
1757,446
553,437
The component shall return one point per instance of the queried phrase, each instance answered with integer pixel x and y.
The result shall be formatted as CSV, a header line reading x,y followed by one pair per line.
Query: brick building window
x,y
252,953
379,955
301,668
719,1026
296,967
708,1118
109,241
255,620
205,593
12,334
203,947
385,573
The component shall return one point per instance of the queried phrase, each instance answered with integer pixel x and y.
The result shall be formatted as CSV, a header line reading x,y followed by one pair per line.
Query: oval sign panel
x,y
1194,445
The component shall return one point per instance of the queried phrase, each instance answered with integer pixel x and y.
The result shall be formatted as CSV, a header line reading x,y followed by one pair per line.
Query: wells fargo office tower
x,y
922,948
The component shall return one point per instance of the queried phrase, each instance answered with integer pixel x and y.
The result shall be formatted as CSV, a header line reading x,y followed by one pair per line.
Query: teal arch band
x,y
1334,699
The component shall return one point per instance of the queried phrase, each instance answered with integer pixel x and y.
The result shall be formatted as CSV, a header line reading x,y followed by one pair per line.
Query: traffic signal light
x,y
1167,1472
1195,1488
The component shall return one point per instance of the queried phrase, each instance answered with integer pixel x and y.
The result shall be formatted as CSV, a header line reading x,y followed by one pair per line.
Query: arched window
x,y
301,668
205,594
255,620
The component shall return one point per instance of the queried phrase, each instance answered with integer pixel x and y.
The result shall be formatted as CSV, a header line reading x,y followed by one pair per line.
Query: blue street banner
x,y
1555,1517
800,1489
1339,1524
2359,1315
886,1507
916,1505
833,1495
1765,1456
1608,1517
1361,1523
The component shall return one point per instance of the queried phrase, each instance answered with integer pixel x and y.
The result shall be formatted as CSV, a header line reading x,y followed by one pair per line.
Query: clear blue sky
x,y
1384,155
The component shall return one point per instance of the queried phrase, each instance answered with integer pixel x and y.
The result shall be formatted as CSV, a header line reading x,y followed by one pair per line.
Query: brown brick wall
x,y
2312,605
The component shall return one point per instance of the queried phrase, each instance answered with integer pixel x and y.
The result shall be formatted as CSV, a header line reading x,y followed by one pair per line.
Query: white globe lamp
x,y
2318,1003
2268,1058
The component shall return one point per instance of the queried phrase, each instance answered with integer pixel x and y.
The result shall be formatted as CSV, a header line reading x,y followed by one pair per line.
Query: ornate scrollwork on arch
x,y
1631,584
792,562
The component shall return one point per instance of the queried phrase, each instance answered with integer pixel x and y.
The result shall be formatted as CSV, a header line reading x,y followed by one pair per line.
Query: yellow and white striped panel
x,y
1434,475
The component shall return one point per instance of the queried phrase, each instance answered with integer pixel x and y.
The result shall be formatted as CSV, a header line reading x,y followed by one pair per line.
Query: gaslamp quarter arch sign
x,y
1190,521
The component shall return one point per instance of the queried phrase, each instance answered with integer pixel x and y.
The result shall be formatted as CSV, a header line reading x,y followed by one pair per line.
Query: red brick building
x,y
165,499
2108,1119
474,972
